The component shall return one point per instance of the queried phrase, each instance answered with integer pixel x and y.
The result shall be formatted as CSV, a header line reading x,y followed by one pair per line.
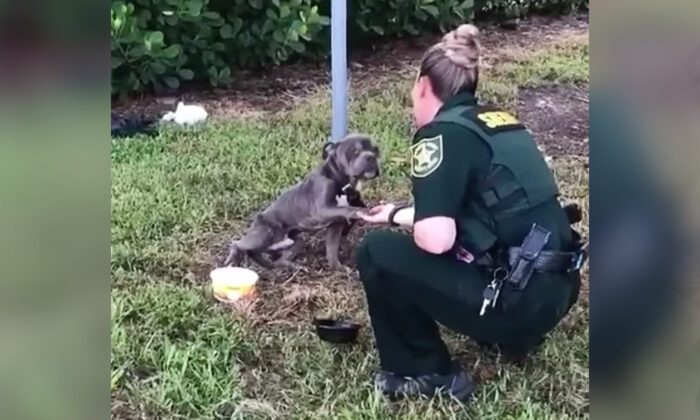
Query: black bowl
x,y
335,331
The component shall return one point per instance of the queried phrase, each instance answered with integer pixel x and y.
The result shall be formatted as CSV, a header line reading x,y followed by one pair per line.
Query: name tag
x,y
497,119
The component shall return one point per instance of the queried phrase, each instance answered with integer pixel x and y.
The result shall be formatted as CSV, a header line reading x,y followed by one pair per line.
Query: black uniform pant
x,y
410,291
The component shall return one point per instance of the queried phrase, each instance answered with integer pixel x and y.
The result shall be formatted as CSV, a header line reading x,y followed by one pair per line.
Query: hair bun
x,y
467,31
461,46
466,34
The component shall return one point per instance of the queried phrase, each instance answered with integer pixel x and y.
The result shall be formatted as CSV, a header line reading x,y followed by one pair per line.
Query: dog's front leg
x,y
333,235
330,215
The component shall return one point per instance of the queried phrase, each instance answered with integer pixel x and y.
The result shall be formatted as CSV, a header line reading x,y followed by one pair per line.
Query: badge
x,y
426,156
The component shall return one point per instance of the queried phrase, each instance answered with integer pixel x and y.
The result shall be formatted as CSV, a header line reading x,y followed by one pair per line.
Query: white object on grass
x,y
232,283
186,114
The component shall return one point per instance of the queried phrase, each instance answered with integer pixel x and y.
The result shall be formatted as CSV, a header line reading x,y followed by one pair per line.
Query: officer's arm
x,y
435,235
404,217
440,169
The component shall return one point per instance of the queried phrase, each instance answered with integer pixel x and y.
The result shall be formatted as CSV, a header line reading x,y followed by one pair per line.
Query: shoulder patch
x,y
493,120
426,156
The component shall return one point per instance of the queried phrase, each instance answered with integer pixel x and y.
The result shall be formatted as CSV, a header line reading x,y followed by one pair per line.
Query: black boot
x,y
456,384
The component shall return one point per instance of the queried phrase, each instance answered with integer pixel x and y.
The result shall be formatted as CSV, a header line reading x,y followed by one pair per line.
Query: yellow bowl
x,y
232,283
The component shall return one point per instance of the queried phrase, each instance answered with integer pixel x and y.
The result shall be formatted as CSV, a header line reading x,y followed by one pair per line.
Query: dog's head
x,y
355,155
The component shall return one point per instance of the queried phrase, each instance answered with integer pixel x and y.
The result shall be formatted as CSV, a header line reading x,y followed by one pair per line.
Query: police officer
x,y
491,253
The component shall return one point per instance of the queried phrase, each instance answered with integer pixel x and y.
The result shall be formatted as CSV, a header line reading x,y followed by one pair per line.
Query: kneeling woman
x,y
491,255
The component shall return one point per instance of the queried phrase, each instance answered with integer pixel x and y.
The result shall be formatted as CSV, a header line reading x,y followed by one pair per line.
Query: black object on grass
x,y
335,331
129,125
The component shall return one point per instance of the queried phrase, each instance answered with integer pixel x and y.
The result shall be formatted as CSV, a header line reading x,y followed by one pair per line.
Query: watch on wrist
x,y
393,212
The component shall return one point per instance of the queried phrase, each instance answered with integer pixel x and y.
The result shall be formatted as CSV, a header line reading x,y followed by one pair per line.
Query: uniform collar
x,y
462,98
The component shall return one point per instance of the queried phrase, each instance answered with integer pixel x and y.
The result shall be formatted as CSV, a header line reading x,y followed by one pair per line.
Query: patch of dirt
x,y
121,408
290,297
261,92
558,117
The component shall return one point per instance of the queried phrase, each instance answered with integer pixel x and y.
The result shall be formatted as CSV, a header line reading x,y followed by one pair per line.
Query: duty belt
x,y
548,261
523,261
552,261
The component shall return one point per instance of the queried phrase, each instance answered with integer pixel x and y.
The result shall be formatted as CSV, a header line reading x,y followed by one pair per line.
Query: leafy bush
x,y
157,44
140,57
400,18
509,9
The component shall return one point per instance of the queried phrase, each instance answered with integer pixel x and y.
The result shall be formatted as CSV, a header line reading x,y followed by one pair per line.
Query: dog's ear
x,y
329,149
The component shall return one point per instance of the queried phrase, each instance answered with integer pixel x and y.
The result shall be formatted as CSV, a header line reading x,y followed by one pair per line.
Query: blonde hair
x,y
453,63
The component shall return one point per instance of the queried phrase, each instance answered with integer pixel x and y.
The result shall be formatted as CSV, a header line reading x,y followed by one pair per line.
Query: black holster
x,y
521,268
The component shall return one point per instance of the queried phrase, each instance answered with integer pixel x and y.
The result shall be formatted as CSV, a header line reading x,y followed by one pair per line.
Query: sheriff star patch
x,y
426,156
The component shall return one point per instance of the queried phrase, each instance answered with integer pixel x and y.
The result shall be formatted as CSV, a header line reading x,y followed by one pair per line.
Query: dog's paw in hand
x,y
377,214
356,215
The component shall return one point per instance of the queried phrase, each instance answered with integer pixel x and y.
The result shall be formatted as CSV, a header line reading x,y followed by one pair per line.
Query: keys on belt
x,y
493,290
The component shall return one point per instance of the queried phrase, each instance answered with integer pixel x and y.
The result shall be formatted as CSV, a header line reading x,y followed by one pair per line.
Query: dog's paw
x,y
292,266
340,267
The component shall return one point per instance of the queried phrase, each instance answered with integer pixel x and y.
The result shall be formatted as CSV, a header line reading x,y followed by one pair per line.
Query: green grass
x,y
561,64
176,198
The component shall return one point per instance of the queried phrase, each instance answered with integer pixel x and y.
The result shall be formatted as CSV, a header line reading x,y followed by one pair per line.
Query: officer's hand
x,y
378,214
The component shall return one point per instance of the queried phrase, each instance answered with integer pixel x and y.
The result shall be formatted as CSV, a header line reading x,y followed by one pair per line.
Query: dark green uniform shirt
x,y
446,161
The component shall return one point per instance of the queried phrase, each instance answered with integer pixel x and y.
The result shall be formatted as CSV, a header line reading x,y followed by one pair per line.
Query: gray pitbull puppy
x,y
311,205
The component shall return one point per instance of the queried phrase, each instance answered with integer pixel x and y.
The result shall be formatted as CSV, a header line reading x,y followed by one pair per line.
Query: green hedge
x,y
158,44
509,9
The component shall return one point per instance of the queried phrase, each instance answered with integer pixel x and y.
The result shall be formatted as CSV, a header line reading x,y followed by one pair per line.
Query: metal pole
x,y
339,68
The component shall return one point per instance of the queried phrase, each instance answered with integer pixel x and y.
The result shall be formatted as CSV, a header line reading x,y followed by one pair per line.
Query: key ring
x,y
500,274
